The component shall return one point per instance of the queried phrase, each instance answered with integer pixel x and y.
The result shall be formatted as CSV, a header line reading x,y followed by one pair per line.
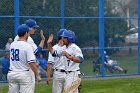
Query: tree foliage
x,y
86,29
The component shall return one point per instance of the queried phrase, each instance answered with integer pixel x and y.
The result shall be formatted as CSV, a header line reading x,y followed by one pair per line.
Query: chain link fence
x,y
120,42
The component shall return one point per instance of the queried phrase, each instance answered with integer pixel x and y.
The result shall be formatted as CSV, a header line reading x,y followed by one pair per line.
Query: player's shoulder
x,y
57,46
75,46
22,43
13,43
30,40
27,44
16,38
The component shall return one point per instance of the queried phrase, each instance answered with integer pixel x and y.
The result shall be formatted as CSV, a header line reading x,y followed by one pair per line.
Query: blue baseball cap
x,y
31,23
22,29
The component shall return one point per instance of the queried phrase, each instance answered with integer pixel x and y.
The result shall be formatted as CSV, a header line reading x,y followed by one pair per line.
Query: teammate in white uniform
x,y
59,74
33,26
22,63
73,57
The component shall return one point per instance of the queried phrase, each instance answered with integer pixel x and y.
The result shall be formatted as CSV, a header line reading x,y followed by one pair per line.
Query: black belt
x,y
71,71
60,70
24,70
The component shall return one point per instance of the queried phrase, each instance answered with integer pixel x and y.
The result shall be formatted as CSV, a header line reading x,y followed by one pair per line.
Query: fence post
x,y
16,16
62,14
101,33
139,37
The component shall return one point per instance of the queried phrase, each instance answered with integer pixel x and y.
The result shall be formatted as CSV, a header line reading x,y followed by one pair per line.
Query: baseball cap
x,y
31,23
22,29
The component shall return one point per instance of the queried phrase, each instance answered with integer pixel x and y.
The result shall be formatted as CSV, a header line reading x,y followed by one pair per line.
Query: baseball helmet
x,y
31,23
70,35
73,36
22,29
60,32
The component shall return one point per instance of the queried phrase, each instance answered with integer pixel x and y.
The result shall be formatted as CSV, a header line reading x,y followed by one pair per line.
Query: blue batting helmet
x,y
73,36
59,34
22,29
70,35
31,23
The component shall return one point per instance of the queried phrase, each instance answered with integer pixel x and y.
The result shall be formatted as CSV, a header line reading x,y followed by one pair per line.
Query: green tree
x,y
86,29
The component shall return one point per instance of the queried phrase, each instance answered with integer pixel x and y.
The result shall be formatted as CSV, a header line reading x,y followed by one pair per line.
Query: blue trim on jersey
x,y
31,61
81,59
37,51
55,54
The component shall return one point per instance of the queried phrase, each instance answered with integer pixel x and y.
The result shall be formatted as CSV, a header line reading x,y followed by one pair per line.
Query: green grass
x,y
121,85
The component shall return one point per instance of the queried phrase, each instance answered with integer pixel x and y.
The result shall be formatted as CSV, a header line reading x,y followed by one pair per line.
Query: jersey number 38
x,y
15,54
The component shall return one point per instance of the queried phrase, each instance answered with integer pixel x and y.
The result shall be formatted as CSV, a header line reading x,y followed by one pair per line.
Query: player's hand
x,y
50,39
64,53
38,78
48,81
42,35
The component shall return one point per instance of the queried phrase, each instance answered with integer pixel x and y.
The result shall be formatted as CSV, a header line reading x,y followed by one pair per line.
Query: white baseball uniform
x,y
30,41
20,74
34,47
59,74
72,68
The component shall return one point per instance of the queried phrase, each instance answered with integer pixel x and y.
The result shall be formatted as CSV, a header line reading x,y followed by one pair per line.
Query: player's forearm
x,y
75,59
50,48
48,72
33,66
49,43
39,48
42,43
42,39
37,51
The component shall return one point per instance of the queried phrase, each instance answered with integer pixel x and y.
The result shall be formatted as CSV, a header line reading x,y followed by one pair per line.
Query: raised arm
x,y
49,43
41,45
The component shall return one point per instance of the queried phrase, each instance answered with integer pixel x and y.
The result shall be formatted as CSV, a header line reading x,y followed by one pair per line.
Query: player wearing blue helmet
x,y
57,63
73,56
22,64
70,35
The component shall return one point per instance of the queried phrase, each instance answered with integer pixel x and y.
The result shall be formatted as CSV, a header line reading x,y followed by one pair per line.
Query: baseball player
x,y
113,65
22,63
33,26
73,57
59,74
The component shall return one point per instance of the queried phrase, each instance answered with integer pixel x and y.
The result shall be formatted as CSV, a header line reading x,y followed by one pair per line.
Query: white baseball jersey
x,y
112,62
30,41
21,53
58,62
73,50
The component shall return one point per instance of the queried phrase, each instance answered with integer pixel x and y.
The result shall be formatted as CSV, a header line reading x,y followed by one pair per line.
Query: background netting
x,y
81,16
